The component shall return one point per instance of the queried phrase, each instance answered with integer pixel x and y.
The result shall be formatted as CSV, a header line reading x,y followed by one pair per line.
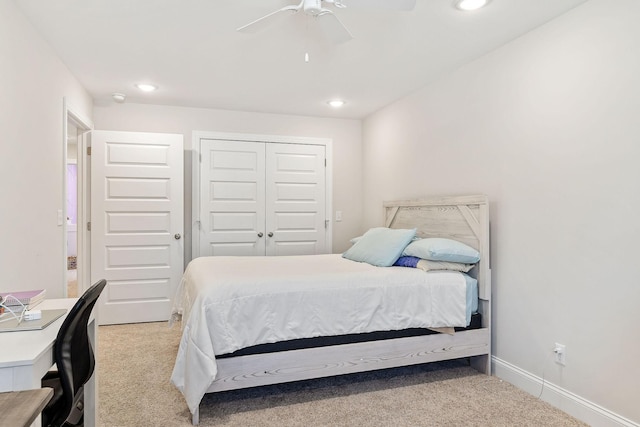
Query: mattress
x,y
230,303
302,343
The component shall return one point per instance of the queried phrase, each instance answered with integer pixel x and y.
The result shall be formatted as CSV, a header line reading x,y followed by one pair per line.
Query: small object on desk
x,y
21,408
28,299
32,315
47,318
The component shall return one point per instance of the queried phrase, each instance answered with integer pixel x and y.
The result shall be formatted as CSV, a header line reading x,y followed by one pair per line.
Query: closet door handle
x,y
177,236
260,234
270,234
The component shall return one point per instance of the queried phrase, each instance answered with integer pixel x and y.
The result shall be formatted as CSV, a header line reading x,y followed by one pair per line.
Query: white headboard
x,y
462,218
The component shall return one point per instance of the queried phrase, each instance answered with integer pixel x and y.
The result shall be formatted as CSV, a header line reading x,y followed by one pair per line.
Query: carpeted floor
x,y
135,363
72,283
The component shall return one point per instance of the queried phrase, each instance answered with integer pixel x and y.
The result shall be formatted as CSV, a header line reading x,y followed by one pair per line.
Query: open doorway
x,y
72,209
75,204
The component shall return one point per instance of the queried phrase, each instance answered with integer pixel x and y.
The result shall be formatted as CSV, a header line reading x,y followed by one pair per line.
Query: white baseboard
x,y
568,402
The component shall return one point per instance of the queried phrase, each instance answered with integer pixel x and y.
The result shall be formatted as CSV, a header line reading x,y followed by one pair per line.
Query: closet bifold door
x,y
232,198
295,199
260,198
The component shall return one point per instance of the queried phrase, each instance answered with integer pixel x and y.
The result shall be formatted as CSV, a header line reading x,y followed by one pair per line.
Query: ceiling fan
x,y
335,29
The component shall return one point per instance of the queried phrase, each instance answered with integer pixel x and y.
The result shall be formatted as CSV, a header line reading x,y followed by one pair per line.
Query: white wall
x,y
548,126
346,136
34,82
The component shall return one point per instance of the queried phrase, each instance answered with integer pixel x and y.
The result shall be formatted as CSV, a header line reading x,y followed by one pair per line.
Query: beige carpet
x,y
135,363
72,283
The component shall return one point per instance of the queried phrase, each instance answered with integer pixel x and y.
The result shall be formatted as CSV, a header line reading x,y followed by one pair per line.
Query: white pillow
x,y
439,249
427,265
380,246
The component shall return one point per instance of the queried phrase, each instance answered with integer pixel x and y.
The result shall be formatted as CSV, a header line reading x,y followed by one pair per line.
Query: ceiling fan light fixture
x,y
336,103
146,87
469,5
312,7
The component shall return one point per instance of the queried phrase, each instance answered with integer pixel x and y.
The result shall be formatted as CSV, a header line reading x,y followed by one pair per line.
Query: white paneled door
x,y
295,199
261,198
232,198
136,223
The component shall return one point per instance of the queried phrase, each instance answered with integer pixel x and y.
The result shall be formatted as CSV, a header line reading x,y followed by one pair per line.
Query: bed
x,y
363,317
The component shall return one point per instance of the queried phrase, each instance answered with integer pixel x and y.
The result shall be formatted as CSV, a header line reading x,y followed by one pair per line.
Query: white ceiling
x,y
190,49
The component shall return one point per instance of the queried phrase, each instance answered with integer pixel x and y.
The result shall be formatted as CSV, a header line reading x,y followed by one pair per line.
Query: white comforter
x,y
229,303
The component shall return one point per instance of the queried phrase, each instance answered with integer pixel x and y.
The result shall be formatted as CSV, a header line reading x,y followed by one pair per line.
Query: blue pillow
x,y
407,261
380,246
439,249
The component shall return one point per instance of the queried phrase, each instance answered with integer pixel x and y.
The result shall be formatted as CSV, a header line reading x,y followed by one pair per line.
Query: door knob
x,y
260,234
270,234
177,236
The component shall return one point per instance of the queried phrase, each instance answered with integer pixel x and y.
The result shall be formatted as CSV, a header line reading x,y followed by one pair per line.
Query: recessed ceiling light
x,y
146,87
336,103
470,4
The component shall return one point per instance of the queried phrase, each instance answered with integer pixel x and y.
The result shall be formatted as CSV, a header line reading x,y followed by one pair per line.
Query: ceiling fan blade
x,y
267,20
381,4
333,27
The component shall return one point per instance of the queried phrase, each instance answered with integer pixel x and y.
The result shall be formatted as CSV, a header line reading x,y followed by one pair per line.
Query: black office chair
x,y
75,361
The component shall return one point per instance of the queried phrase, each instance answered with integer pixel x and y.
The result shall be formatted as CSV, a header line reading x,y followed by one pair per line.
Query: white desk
x,y
26,356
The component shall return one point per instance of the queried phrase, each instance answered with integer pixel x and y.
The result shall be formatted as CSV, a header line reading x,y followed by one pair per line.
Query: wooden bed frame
x,y
463,218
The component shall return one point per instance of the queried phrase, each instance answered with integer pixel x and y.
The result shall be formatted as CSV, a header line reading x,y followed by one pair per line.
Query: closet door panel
x,y
232,198
295,199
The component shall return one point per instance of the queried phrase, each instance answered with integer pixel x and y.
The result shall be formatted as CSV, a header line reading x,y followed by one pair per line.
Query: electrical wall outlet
x,y
561,354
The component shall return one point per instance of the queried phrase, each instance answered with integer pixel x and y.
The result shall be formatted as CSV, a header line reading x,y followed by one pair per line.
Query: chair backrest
x,y
73,352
